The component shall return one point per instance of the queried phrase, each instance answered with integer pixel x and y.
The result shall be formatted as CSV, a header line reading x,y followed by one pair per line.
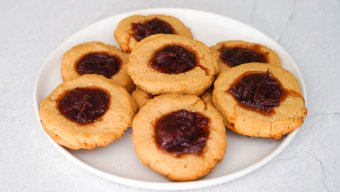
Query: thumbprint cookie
x,y
172,64
96,58
140,97
133,29
179,136
233,53
259,100
207,96
88,112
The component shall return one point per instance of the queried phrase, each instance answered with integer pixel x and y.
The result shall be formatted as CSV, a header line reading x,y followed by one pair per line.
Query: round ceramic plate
x,y
118,161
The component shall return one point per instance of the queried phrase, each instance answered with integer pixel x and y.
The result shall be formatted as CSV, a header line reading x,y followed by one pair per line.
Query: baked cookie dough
x,y
207,96
233,53
179,136
172,64
133,29
96,58
140,97
259,100
88,112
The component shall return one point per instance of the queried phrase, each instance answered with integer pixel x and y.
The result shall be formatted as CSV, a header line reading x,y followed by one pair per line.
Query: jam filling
x,y
173,59
99,63
84,105
182,132
150,27
236,56
260,91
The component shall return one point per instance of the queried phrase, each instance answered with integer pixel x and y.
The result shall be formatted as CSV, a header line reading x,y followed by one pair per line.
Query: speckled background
x,y
30,30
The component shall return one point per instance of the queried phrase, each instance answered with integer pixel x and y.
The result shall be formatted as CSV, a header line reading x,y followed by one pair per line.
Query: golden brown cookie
x,y
259,100
179,136
133,29
233,53
171,64
96,58
207,96
90,111
140,97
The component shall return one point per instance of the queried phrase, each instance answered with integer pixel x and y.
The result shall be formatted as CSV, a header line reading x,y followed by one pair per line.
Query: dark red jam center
x,y
173,60
84,105
150,27
99,63
236,56
259,91
182,132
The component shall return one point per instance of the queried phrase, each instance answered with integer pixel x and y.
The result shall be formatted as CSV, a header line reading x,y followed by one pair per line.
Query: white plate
x,y
118,161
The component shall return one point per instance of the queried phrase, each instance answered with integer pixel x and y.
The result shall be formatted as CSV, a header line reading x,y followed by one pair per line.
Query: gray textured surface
x,y
308,30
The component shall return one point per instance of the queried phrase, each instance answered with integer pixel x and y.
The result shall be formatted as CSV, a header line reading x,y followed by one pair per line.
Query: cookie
x,y
172,64
88,112
179,136
133,29
140,97
233,53
259,100
96,58
207,96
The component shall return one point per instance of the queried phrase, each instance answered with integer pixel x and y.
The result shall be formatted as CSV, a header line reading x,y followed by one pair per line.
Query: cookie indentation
x,y
84,105
151,27
182,132
260,91
173,59
99,63
234,56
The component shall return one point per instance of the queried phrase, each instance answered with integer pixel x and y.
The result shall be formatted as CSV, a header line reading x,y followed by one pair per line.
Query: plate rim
x,y
165,185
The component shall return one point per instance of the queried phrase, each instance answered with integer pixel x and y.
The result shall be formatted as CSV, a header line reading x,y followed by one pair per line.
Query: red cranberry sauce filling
x,y
84,105
173,59
150,27
236,56
99,63
182,132
260,91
